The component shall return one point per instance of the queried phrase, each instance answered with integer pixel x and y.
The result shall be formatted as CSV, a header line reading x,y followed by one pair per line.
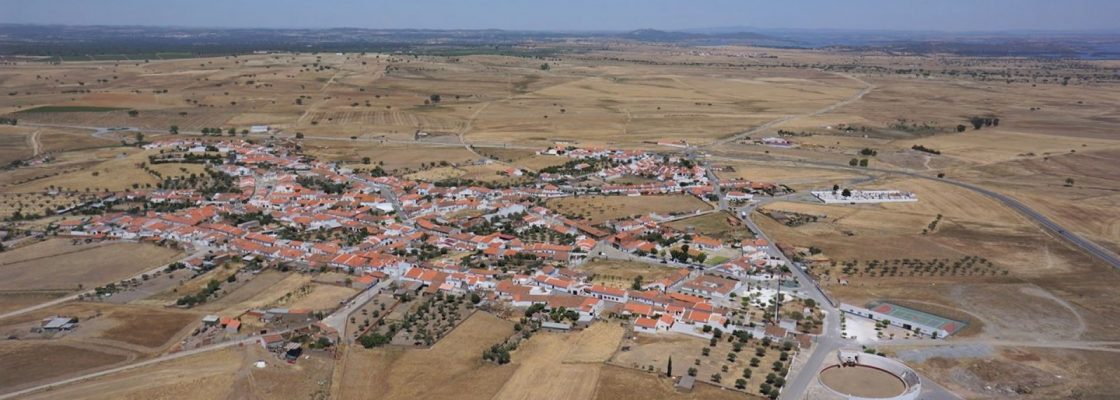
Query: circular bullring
x,y
868,376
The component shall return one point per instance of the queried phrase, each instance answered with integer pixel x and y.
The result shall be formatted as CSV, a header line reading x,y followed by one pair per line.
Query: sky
x,y
578,15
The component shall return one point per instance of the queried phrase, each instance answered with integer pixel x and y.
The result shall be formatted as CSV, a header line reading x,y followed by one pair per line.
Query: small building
x,y
58,324
259,129
272,342
686,383
211,320
292,351
556,326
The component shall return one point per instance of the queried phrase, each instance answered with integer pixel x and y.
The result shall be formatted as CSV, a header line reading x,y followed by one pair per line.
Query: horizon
x,y
960,17
720,29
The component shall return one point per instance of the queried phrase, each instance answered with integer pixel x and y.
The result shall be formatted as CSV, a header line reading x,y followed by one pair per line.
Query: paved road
x,y
1088,246
341,316
867,88
830,338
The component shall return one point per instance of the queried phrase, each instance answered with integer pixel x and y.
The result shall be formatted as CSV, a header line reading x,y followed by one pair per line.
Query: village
x,y
401,242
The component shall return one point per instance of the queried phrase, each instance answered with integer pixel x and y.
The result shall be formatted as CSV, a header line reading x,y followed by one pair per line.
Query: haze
x,y
989,15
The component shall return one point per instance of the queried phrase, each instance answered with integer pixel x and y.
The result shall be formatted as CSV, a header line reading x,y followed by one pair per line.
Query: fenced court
x,y
919,318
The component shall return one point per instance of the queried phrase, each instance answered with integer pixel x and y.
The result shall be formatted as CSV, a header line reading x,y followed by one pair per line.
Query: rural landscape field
x,y
416,210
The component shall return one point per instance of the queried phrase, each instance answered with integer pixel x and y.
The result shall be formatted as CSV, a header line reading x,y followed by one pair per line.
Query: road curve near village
x,y
1090,247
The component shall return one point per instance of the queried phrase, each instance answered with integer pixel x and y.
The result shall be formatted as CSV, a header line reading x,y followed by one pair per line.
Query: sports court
x,y
917,317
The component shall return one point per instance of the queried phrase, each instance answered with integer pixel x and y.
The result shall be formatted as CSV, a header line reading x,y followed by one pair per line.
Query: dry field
x,y
266,289
393,372
208,375
618,383
117,171
58,264
716,225
11,301
561,365
621,274
599,209
654,351
139,329
796,177
321,297
27,362
1026,373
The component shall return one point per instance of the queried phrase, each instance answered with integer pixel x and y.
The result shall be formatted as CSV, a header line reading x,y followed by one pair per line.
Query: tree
x,y
139,137
976,122
232,131
853,162
545,67
846,193
835,188
740,383
365,160
133,113
299,135
475,298
435,98
863,162
174,129
692,371
961,128
669,368
716,377
1069,182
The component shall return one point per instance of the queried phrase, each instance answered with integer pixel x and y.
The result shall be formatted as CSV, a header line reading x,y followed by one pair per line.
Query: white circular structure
x,y
861,376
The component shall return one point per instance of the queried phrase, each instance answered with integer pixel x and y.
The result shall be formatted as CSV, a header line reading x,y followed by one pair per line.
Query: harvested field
x,y
270,290
392,372
323,297
27,362
561,365
595,344
59,264
152,328
599,209
401,159
11,301
209,375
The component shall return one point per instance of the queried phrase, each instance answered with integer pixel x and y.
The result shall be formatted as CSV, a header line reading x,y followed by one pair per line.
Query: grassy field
x,y
599,209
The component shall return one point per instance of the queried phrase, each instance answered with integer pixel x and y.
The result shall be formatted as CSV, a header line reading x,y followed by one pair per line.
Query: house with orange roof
x,y
607,293
707,243
712,287
638,309
556,284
